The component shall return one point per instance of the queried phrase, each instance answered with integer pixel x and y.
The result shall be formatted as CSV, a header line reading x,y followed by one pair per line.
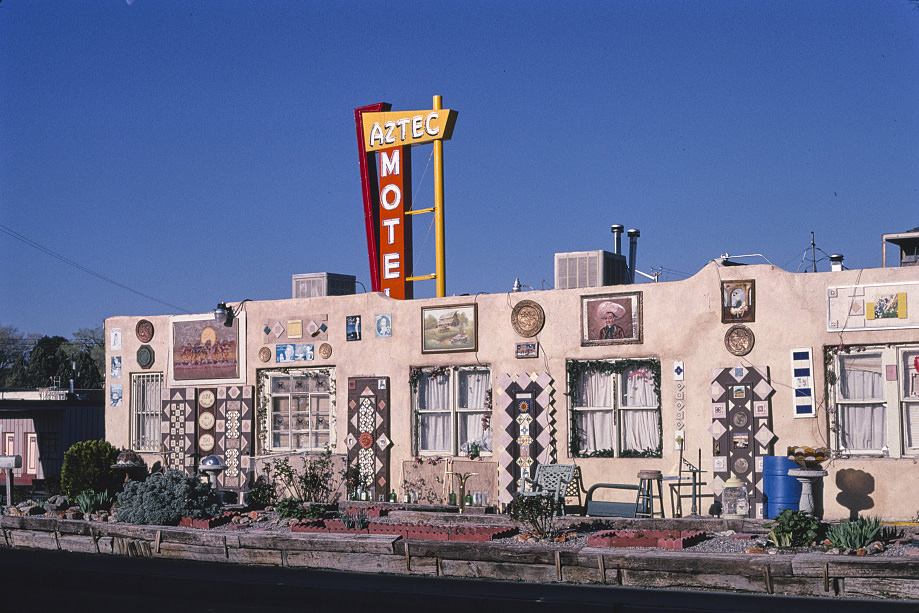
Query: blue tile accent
x,y
801,355
802,372
803,393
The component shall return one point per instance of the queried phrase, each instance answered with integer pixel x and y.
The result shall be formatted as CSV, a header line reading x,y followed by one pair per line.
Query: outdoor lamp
x,y
734,499
225,314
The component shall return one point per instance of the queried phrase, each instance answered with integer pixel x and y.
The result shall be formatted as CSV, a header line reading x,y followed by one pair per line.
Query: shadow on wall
x,y
854,489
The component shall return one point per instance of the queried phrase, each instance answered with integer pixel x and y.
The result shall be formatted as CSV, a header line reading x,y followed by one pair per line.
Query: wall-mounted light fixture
x,y
225,314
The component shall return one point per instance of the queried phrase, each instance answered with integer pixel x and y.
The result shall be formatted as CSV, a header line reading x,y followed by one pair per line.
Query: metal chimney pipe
x,y
633,252
836,262
616,229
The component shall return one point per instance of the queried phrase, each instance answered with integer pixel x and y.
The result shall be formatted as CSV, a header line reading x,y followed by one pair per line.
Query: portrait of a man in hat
x,y
611,318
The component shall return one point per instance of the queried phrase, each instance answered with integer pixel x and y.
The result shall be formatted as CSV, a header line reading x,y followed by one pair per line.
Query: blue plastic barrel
x,y
780,491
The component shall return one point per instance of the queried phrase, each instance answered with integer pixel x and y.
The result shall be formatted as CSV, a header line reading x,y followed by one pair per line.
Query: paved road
x,y
60,581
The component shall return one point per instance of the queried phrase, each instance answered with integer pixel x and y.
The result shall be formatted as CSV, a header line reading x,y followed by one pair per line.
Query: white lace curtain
x,y
863,423
640,427
595,425
434,405
473,388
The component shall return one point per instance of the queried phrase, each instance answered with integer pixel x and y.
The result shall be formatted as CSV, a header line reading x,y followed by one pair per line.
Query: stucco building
x,y
736,362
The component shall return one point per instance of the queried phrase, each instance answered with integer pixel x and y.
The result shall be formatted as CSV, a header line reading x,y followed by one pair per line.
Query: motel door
x,y
368,439
741,429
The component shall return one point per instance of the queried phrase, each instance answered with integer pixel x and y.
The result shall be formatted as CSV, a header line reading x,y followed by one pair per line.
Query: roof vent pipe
x,y
836,262
616,229
633,252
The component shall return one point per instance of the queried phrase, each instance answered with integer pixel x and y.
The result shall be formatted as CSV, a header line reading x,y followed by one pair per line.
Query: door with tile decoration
x,y
368,440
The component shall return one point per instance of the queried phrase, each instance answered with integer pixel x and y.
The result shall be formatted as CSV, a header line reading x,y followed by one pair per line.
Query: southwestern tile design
x,y
525,432
368,440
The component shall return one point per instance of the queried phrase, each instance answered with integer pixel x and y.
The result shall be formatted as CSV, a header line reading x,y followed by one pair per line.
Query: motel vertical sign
x,y
385,139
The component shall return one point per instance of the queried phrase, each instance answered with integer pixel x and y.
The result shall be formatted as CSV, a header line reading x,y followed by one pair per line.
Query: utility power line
x,y
66,260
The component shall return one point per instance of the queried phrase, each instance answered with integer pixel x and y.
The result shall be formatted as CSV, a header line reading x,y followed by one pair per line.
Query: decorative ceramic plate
x,y
739,340
264,354
206,420
144,331
145,356
325,351
206,399
740,419
527,318
206,442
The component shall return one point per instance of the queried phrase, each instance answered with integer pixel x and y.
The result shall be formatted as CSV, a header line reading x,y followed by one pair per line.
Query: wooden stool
x,y
644,503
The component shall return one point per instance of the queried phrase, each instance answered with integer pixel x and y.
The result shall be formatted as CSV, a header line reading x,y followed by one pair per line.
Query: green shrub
x,y
537,513
88,466
316,482
294,508
164,498
854,533
794,529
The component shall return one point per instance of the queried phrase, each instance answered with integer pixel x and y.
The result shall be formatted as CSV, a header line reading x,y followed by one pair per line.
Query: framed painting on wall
x,y
611,319
738,301
204,351
449,328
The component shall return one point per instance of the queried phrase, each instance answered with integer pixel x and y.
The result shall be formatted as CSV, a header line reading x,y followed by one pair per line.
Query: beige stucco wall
x,y
682,321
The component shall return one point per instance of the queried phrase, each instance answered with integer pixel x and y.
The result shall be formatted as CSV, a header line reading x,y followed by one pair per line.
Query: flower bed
x,y
206,524
663,539
469,534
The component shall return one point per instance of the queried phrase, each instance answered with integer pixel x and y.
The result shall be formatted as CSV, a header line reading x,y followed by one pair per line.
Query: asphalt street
x,y
51,580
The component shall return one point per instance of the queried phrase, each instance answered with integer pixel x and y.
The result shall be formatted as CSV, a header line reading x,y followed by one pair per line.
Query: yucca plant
x,y
854,533
90,501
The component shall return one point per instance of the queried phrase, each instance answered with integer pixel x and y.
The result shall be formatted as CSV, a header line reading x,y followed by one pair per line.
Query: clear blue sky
x,y
198,152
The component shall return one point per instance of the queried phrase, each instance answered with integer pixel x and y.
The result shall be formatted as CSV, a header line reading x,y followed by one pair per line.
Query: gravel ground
x,y
714,543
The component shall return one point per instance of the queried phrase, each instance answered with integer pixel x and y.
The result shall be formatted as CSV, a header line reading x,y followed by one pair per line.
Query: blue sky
x,y
197,152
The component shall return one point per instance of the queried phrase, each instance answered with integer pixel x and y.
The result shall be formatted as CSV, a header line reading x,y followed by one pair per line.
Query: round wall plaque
x,y
741,465
206,420
145,356
739,419
206,442
527,318
144,331
206,398
264,354
739,340
325,351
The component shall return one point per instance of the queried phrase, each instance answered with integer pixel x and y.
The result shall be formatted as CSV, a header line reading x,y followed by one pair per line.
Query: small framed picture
x,y
527,350
738,301
449,328
115,394
353,327
383,325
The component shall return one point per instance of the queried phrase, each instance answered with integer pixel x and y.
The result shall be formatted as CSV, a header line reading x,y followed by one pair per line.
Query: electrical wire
x,y
12,233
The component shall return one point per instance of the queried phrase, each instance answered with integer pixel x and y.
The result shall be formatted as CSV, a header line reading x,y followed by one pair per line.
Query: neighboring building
x,y
738,362
41,425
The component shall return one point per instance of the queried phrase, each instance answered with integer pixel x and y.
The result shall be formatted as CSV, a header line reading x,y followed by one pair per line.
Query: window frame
x,y
615,369
143,408
894,398
455,411
292,396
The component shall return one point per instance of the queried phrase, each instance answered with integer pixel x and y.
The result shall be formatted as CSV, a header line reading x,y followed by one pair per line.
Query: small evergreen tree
x,y
88,466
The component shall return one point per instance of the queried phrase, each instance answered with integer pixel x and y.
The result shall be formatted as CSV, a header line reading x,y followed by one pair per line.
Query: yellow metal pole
x,y
441,266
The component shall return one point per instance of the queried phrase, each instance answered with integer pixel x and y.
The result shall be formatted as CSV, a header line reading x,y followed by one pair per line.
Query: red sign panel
x,y
395,239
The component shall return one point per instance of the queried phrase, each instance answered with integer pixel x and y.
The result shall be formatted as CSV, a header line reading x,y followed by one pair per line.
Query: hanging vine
x,y
576,369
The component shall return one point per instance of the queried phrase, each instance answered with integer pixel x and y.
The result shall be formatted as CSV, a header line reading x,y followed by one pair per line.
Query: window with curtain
x,y
860,403
910,387
300,411
146,398
617,412
453,411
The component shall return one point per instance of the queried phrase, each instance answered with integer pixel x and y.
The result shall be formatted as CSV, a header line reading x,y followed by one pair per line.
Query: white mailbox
x,y
10,461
